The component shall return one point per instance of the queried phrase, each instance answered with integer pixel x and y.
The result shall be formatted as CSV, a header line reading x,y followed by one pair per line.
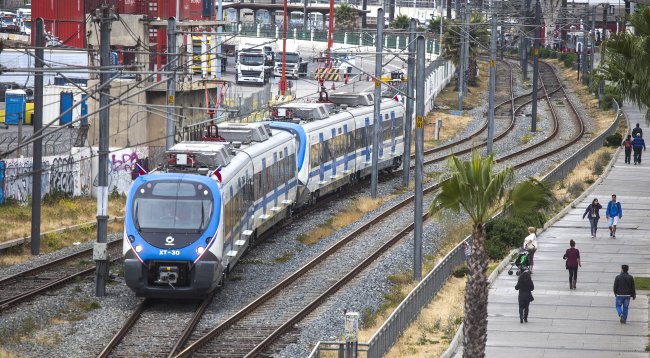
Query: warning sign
x,y
419,122
377,83
170,99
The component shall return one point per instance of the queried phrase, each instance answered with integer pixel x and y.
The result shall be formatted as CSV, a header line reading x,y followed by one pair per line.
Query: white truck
x,y
254,63
295,67
24,20
251,69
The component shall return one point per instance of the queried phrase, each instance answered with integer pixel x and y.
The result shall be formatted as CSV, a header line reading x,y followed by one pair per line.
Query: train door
x,y
366,139
333,149
286,173
392,132
346,149
264,188
321,157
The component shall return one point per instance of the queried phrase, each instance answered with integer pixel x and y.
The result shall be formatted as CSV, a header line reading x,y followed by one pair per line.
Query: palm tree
x,y
626,60
475,189
401,22
434,25
345,17
451,40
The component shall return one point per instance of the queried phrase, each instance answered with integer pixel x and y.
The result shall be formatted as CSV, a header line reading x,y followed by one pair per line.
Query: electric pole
x,y
391,10
593,48
604,36
410,86
419,159
493,77
100,255
468,13
533,122
461,63
219,60
39,42
171,81
583,60
283,80
379,46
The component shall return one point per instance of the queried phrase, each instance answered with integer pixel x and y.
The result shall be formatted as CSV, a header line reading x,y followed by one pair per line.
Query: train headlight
x,y
200,249
138,248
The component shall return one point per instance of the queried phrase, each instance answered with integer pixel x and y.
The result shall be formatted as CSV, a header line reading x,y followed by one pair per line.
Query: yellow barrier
x,y
2,115
327,74
29,112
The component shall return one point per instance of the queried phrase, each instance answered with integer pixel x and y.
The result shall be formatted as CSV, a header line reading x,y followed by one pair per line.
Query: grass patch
x,y
16,218
55,241
284,258
526,138
351,214
642,283
436,325
584,174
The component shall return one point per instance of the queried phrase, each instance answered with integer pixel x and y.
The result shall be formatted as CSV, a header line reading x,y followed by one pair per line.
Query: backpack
x,y
628,144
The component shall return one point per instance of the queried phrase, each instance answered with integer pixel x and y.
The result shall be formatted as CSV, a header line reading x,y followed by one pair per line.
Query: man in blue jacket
x,y
614,212
637,144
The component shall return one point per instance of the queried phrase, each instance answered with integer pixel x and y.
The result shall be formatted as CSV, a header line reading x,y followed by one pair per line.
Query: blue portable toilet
x,y
84,110
15,102
65,103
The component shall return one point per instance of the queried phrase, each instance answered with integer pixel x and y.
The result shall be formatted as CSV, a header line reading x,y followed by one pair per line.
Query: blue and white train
x,y
188,224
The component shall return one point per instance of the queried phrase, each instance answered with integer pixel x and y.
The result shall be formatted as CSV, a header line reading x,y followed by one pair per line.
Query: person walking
x,y
593,214
613,213
627,145
525,287
637,130
572,257
623,290
637,144
530,245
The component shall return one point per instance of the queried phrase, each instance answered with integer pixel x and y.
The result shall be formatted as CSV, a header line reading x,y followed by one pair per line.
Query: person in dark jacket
x,y
525,287
637,144
637,130
572,257
614,213
593,214
627,145
623,290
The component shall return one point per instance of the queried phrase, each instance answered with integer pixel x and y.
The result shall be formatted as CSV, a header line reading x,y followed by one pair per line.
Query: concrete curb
x,y
27,239
458,337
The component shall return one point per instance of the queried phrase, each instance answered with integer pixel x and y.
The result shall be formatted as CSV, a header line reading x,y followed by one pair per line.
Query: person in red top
x,y
572,257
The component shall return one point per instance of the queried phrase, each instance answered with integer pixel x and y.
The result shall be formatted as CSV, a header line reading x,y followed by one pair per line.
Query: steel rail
x,y
19,295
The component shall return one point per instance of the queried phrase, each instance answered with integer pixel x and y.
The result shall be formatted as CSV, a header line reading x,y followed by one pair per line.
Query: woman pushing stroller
x,y
530,245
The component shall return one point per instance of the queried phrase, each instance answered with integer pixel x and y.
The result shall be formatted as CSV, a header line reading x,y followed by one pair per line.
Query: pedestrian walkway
x,y
582,322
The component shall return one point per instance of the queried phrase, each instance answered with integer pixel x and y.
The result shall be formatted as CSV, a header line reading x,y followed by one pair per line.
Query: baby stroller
x,y
520,264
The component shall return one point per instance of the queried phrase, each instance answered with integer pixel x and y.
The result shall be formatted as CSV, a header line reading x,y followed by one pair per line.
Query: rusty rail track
x,y
27,284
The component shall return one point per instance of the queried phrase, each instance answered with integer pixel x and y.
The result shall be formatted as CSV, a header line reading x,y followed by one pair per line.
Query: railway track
x,y
27,284
251,331
149,322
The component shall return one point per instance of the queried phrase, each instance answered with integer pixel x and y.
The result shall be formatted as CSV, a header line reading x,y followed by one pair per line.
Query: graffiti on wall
x,y
124,166
59,174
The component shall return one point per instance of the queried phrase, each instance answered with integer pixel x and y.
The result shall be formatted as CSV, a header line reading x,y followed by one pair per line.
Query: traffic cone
x,y
333,85
346,77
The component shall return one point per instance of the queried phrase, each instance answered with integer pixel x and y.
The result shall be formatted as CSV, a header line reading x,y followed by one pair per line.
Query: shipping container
x,y
44,9
52,105
132,6
71,33
70,10
90,5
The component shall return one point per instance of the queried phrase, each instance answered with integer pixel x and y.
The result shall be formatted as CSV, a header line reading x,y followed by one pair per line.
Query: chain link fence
x,y
56,143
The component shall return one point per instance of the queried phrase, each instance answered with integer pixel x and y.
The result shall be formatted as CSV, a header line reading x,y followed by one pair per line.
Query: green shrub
x,y
610,94
569,59
614,140
496,250
509,231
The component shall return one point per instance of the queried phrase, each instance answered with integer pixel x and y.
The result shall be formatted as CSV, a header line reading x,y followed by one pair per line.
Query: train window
x,y
325,150
315,155
174,189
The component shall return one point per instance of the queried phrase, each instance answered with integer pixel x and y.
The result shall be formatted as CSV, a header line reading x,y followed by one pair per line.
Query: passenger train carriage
x,y
187,224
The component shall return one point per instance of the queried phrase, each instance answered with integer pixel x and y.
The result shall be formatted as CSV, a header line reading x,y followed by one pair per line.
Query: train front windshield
x,y
172,207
